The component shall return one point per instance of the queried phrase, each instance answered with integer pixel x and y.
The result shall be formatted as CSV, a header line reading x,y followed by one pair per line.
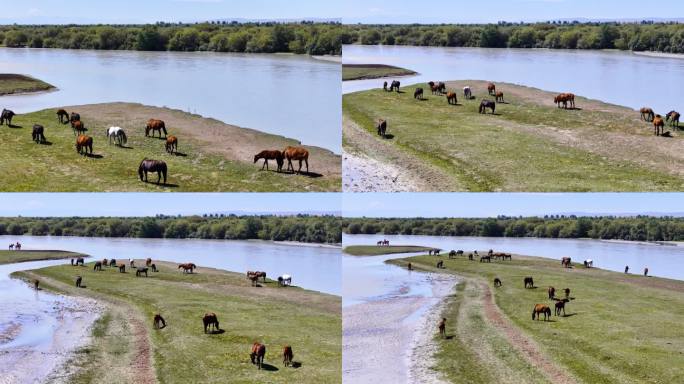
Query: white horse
x,y
118,134
285,280
467,92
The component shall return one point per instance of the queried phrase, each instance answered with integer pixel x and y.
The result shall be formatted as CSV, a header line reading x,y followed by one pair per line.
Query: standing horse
x,y
552,292
78,127
395,85
382,127
37,134
418,94
187,267
285,280
497,282
529,282
451,98
158,322
540,309
118,134
155,125
148,165
139,271
84,144
287,355
384,86
80,261
62,116
74,117
210,321
97,266
658,125
673,118
647,114
560,306
566,262
257,355
171,144
442,327
296,153
499,97
270,155
484,104
491,89
6,117
467,92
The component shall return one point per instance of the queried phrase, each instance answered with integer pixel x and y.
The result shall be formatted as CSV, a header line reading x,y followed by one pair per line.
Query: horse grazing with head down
x,y
118,134
187,267
382,127
257,354
84,144
139,271
497,282
171,144
78,128
395,85
673,118
210,321
540,309
658,125
299,154
418,94
287,355
566,262
149,165
384,86
467,92
6,117
37,134
484,104
155,125
267,155
560,306
122,268
97,266
647,114
158,322
451,98
62,116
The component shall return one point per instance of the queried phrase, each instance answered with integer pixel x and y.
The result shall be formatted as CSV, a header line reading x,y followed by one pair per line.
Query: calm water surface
x,y
288,95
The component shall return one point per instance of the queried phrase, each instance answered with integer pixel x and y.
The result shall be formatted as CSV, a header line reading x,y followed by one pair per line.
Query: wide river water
x,y
622,78
290,95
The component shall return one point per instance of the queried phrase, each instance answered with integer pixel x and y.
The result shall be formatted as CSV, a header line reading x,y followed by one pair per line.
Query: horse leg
x,y
307,160
300,167
158,176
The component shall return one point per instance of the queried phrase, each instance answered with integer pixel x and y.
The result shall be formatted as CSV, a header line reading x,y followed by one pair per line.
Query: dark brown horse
x,y
158,322
97,266
149,165
529,282
84,144
452,98
382,127
540,309
287,355
566,262
210,320
673,118
395,86
647,114
418,94
171,144
484,104
560,306
296,153
140,271
122,268
491,89
257,354
258,274
485,259
187,267
62,116
148,262
155,125
6,117
658,125
74,117
552,292
37,134
80,261
497,282
112,263
79,280
267,155
78,127
442,327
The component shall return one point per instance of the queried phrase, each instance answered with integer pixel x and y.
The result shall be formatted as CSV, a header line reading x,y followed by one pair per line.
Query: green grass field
x,y
182,353
372,71
57,167
9,257
12,83
530,145
619,328
373,250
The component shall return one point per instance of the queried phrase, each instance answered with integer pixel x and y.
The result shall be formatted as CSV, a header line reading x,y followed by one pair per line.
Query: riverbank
x,y
376,250
212,156
602,337
372,71
528,145
659,54
308,321
12,84
9,257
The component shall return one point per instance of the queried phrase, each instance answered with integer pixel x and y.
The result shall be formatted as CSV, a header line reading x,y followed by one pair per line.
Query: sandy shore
x,y
46,360
361,173
387,341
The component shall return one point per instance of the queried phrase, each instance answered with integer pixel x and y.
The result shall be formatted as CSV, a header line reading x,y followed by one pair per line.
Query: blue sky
x,y
150,204
512,204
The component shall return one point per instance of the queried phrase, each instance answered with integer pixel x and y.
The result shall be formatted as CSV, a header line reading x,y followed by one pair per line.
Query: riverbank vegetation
x,y
616,327
301,228
646,36
375,250
9,257
372,71
300,38
124,336
13,83
639,228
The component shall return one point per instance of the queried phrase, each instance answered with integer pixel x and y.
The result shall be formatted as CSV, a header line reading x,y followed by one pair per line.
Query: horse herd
x,y
290,153
658,122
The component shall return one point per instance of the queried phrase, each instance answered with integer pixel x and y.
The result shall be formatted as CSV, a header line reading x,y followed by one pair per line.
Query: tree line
x,y
301,38
644,36
301,228
639,228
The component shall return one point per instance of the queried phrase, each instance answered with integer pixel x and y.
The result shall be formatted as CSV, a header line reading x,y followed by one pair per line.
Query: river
x,y
294,96
616,77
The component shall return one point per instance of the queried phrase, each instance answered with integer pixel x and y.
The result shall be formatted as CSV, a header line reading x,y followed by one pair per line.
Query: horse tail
x,y
163,127
140,168
124,139
533,313
163,170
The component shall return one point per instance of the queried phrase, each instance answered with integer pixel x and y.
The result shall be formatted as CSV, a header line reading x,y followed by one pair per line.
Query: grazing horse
x,y
6,116
588,263
149,165
497,282
285,280
647,114
418,94
187,267
673,118
79,280
385,243
210,320
105,262
122,268
565,98
254,279
552,292
567,293
395,85
97,266
540,309
158,322
529,282
139,272
287,355
484,104
63,116
80,261
36,283
442,327
487,259
566,262
433,87
84,145
440,264
560,306
268,155
118,134
153,267
257,354
451,98
155,125
171,144
112,263
491,89
256,274
499,97
78,127
384,86
296,153
467,93
37,134
658,125
382,127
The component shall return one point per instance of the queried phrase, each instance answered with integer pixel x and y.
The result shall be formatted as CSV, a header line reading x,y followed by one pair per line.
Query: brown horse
x,y
567,293
148,262
382,127
566,262
254,279
452,98
150,165
187,267
499,97
647,114
384,86
529,282
270,155
256,274
210,320
673,118
552,292
287,355
418,94
485,259
257,355
155,125
74,117
491,89
38,134
84,144
497,282
658,125
105,262
78,127
122,268
484,104
97,266
434,88
63,116
158,322
540,309
442,327
171,144
296,153
139,271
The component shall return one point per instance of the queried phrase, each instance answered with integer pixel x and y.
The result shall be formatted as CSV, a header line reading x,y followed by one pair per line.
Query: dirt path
x,y
526,346
389,169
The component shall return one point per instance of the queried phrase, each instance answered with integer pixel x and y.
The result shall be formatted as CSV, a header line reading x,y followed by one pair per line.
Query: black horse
x,y
418,94
484,104
395,85
37,134
6,116
74,117
148,165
